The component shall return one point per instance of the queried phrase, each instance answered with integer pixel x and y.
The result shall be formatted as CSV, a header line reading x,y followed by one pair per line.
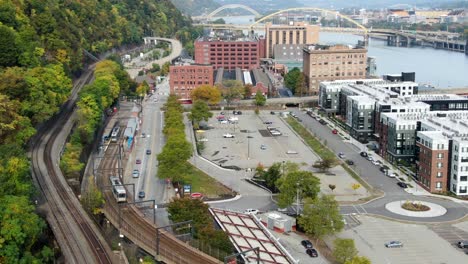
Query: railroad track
x,y
132,223
76,234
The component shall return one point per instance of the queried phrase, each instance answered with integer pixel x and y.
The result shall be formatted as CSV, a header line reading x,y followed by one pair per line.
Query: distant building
x,y
185,78
329,63
229,53
257,78
290,37
371,70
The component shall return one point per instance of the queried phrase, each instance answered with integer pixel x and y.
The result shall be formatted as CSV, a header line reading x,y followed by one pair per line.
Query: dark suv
x,y
307,244
363,154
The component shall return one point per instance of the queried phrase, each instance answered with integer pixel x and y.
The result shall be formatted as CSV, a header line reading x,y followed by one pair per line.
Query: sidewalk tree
x,y
207,93
344,250
260,99
324,164
200,112
321,216
358,260
291,183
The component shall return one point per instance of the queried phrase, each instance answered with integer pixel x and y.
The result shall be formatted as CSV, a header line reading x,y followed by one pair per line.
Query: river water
x,y
440,68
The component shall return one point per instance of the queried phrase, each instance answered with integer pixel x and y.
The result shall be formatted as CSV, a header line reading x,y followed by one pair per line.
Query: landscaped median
x,y
325,153
205,184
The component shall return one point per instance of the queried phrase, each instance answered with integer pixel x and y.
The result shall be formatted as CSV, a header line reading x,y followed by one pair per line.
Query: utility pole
x,y
297,198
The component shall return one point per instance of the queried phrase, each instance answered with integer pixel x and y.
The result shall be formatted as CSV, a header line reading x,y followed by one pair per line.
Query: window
x,y
463,178
440,155
439,174
463,189
438,185
439,165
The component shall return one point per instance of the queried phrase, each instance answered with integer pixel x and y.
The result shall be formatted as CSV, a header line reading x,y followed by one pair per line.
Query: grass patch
x,y
208,186
312,141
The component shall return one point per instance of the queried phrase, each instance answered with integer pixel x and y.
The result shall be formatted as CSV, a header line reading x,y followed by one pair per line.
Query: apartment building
x,y
185,78
282,40
230,53
328,63
442,143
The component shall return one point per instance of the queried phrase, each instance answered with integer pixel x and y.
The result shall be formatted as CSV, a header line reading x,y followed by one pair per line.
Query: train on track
x,y
120,194
115,133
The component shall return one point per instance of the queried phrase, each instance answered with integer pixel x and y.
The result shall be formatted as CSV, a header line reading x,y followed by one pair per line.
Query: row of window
x,y
186,71
234,50
190,82
461,189
234,56
338,74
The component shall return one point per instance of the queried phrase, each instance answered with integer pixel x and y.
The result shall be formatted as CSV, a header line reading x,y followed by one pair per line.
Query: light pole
x,y
297,198
248,147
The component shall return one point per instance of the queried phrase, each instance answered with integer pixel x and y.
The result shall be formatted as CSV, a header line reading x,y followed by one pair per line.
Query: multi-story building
x,y
442,147
228,53
185,78
291,37
328,63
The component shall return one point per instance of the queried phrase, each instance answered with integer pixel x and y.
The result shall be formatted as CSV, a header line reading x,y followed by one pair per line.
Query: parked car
x,y
370,158
143,135
263,147
307,244
236,112
135,173
275,133
221,113
227,135
384,168
341,155
364,154
394,244
312,252
462,244
272,112
251,211
402,185
267,122
220,117
138,161
291,152
141,194
224,121
323,122
148,152
334,131
392,175
203,140
349,162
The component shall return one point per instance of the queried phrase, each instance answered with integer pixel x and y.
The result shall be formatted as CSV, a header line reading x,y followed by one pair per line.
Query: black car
x,y
363,154
148,152
272,112
402,185
350,162
384,168
323,122
307,244
312,252
267,122
141,194
237,112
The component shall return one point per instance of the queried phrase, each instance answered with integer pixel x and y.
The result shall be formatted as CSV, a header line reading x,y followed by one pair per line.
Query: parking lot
x,y
420,243
252,142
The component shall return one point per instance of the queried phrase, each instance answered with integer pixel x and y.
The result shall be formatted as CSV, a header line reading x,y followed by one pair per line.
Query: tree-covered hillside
x,y
41,47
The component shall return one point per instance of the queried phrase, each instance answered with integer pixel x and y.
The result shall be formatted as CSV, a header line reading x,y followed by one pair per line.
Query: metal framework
x,y
232,6
189,222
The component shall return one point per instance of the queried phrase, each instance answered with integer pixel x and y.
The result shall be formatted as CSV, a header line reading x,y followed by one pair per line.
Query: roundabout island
x,y
416,208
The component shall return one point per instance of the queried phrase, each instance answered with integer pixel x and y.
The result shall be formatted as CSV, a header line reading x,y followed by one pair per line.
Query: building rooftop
x,y
246,232
338,48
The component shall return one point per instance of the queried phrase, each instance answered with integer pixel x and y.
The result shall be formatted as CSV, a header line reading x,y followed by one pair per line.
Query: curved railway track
x,y
140,230
76,234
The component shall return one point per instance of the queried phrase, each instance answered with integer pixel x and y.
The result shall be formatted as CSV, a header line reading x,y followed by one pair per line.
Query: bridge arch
x,y
312,9
232,6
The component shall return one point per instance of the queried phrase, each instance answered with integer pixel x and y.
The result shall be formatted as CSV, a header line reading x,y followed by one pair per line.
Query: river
x,y
440,68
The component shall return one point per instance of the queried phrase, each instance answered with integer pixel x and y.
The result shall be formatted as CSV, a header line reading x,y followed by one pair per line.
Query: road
x,y
176,50
372,175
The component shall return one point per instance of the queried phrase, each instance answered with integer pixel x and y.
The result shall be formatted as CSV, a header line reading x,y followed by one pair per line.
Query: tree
x,y
300,88
143,89
207,93
260,99
92,200
9,50
271,176
200,111
344,250
185,209
290,79
332,187
358,260
324,164
232,90
165,68
321,216
355,186
248,91
291,183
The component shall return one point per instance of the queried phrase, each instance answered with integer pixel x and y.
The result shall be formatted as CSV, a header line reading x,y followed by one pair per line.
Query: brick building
x,y
329,63
289,38
243,53
185,78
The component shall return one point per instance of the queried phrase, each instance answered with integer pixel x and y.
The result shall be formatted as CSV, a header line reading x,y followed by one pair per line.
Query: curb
x,y
224,201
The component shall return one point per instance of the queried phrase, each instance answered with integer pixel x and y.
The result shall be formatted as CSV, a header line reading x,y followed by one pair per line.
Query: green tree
x,y
165,68
200,111
260,99
300,88
14,171
302,182
248,91
207,93
232,90
321,216
324,164
9,49
358,260
291,78
143,89
271,176
173,157
92,200
344,250
20,228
